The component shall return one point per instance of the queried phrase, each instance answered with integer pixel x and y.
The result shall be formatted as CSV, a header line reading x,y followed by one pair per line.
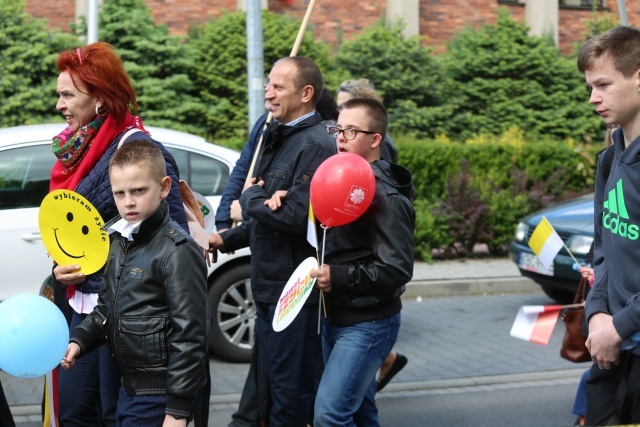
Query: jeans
x,y
287,365
91,384
352,356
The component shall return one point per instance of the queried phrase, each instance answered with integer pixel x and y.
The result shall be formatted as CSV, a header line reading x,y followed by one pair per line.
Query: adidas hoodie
x,y
616,290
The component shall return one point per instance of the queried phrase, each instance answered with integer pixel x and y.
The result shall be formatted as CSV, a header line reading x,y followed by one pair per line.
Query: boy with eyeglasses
x,y
368,263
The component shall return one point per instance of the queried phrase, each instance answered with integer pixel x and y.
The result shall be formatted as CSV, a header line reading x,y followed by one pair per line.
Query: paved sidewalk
x,y
448,339
467,276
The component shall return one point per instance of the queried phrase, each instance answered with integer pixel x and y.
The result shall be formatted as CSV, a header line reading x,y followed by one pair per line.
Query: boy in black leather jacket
x,y
152,307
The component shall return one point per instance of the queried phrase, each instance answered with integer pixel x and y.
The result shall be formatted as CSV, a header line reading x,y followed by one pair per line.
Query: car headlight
x,y
521,231
580,244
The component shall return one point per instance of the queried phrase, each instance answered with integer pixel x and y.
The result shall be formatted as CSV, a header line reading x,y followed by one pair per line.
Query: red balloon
x,y
342,189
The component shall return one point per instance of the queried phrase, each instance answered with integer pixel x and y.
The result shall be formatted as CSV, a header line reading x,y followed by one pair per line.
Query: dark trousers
x,y
6,420
141,411
88,393
247,414
287,363
202,410
602,386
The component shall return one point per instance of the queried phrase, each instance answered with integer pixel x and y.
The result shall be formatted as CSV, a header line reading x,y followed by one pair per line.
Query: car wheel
x,y
562,297
234,313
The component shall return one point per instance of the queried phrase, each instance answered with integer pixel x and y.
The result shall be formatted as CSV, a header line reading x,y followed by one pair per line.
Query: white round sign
x,y
207,212
294,294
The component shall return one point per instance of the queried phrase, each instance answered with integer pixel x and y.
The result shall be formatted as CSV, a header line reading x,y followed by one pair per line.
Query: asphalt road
x,y
455,342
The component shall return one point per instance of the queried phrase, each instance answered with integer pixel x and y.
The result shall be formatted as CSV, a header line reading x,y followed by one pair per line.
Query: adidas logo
x,y
613,220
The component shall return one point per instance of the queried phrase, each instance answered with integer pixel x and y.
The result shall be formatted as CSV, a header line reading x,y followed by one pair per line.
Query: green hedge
x,y
476,192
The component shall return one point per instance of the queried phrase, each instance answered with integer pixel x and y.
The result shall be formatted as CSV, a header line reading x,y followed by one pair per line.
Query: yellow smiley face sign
x,y
71,230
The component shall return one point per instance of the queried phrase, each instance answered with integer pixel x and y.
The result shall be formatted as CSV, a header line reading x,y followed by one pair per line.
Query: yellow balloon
x,y
71,230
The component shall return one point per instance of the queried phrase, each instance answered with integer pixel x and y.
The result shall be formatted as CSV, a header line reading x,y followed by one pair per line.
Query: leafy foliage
x,y
504,77
466,213
28,53
400,68
477,191
158,63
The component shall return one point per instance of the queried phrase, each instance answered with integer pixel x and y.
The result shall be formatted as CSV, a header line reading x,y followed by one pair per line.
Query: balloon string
x,y
321,305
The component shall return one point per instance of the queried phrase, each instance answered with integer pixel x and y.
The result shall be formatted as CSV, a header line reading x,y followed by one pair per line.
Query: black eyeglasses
x,y
349,133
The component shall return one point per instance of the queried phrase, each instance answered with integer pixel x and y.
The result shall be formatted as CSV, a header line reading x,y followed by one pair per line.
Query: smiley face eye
x,y
85,230
69,216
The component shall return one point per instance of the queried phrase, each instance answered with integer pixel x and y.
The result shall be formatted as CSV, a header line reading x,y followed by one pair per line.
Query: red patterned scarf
x,y
78,153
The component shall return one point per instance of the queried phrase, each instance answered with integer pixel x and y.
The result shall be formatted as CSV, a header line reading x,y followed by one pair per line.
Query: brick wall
x,y
333,20
572,29
59,13
337,20
179,15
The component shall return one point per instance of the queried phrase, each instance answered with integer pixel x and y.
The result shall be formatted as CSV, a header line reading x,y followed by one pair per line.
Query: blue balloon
x,y
34,335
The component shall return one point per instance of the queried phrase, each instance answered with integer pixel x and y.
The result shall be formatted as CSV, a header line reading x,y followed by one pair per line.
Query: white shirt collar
x,y
124,228
299,119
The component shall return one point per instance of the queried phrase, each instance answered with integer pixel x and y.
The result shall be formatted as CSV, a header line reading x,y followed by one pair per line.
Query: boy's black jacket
x,y
153,311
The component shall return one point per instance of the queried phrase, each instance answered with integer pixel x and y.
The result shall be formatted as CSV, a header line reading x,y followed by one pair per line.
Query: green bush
x,y
158,63
430,232
476,192
28,74
500,77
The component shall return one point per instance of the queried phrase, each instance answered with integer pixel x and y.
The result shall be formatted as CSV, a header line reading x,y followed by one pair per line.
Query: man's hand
x,y
235,211
275,201
73,350
170,421
68,275
323,275
603,341
215,243
251,182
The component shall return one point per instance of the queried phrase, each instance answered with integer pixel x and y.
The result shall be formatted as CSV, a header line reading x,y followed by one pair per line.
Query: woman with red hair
x,y
95,97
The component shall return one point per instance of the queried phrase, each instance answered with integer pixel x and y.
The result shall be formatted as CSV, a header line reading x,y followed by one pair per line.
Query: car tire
x,y
557,295
233,313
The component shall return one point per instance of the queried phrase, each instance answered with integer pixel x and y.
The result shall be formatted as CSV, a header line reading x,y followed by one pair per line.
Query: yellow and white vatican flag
x,y
312,236
545,242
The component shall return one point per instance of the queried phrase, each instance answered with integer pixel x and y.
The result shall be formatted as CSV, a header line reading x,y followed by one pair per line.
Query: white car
x,y
25,166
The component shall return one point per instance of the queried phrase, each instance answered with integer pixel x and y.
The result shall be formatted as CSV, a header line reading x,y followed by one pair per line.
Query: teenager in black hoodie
x,y
611,64
368,263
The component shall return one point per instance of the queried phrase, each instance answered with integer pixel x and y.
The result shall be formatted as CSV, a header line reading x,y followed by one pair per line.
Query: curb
x,y
451,287
234,398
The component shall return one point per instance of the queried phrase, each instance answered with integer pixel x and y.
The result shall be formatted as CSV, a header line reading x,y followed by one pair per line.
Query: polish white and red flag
x,y
535,323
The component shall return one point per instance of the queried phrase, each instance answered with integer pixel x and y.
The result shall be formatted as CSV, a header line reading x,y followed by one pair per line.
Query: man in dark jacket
x,y
295,145
369,261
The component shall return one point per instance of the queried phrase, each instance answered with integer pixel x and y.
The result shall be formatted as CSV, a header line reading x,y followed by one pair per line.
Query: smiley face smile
x,y
55,233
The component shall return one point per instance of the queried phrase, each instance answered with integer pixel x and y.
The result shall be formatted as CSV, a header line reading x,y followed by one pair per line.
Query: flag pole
x,y
570,254
321,304
622,10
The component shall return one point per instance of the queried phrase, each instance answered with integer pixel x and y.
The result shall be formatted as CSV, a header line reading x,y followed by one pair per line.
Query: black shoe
x,y
397,366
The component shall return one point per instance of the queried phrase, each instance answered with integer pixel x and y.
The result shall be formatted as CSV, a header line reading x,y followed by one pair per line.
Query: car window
x,y
24,176
204,174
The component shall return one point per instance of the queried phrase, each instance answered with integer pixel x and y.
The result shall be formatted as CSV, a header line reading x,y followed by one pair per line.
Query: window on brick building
x,y
564,3
583,3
